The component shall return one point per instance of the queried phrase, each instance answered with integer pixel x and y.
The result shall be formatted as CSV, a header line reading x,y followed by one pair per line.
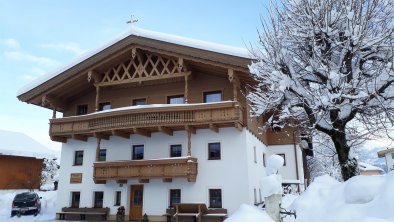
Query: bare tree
x,y
327,65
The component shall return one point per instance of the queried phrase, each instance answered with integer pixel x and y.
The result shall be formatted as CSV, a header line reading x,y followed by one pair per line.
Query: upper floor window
x,y
176,150
215,198
137,102
264,159
284,158
179,99
82,109
138,152
75,199
214,151
175,197
98,199
213,96
102,155
392,155
104,106
78,158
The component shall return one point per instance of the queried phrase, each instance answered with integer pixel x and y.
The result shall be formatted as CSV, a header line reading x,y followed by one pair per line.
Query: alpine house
x,y
152,120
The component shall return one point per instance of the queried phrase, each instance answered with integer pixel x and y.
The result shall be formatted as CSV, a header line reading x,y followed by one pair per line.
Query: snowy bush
x,y
49,174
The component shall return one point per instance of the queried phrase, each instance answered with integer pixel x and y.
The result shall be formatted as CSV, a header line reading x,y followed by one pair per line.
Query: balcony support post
x,y
189,143
186,88
97,98
54,113
232,77
98,148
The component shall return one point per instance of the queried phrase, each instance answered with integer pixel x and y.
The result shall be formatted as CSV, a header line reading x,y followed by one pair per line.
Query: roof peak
x,y
139,32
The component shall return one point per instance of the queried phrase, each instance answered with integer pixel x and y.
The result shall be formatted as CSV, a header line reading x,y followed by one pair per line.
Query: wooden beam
x,y
166,130
53,102
167,180
101,135
143,180
59,139
97,98
121,133
98,148
238,126
100,181
214,127
180,64
191,129
230,73
186,88
142,132
121,181
189,143
95,76
79,137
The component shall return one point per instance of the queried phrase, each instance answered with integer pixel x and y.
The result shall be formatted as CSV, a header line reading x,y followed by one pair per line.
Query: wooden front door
x,y
136,200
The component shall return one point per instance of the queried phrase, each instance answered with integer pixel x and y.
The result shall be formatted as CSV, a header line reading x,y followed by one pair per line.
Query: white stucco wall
x,y
228,174
236,173
256,169
389,161
289,171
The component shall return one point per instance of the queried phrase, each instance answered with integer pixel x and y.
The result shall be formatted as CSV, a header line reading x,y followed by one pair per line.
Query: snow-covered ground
x,y
361,199
48,202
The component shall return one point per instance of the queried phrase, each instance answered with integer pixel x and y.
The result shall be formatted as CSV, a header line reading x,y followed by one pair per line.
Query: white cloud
x,y
34,73
10,43
65,47
23,56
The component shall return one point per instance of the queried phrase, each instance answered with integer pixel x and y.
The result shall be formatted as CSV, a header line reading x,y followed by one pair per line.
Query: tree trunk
x,y
348,166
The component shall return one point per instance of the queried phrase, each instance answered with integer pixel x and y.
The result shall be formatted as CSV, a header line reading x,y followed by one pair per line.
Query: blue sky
x,y
37,37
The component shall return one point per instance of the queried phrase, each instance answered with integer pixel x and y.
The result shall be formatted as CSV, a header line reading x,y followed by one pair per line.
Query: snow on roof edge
x,y
189,42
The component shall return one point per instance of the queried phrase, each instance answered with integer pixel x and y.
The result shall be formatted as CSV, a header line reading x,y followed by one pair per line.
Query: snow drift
x,y
361,198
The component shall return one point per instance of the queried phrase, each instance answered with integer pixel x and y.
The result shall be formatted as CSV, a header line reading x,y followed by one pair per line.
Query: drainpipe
x,y
296,160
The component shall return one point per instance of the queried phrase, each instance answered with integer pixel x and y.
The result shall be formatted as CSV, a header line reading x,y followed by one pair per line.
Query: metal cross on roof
x,y
132,20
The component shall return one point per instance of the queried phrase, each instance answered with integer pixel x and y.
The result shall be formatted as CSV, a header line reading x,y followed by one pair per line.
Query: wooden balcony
x,y
144,120
144,170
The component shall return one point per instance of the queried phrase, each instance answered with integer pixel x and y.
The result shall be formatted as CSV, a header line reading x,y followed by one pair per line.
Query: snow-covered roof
x,y
135,31
19,144
367,167
382,153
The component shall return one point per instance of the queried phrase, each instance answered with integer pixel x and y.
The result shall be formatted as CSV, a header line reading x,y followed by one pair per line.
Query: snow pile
x,y
48,206
247,213
270,185
361,198
19,144
274,163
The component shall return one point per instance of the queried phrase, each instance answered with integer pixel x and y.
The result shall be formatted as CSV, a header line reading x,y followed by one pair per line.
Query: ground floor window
x,y
118,198
175,196
98,199
75,199
215,198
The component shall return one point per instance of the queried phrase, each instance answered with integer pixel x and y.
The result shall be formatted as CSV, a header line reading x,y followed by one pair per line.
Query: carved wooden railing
x,y
166,169
156,116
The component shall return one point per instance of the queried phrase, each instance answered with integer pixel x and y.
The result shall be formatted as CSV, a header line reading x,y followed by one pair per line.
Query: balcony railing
x,y
148,117
166,169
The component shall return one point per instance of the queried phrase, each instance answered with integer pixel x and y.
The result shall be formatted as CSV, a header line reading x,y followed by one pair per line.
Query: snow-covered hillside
x,y
19,144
